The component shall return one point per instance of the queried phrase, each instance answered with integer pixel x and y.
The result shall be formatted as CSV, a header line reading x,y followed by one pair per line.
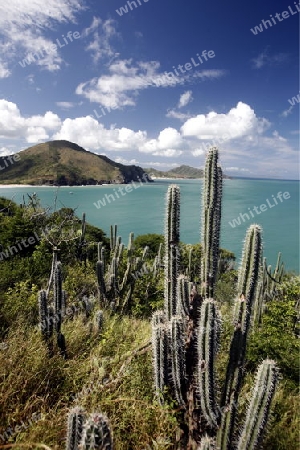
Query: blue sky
x,y
156,85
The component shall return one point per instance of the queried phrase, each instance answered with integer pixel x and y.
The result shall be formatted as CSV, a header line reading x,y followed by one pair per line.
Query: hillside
x,y
182,171
62,163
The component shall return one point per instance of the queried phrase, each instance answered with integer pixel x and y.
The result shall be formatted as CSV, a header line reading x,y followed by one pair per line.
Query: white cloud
x,y
129,162
4,71
92,135
251,145
265,59
197,152
125,79
24,24
185,99
167,144
239,121
236,169
5,151
66,105
102,32
32,129
173,114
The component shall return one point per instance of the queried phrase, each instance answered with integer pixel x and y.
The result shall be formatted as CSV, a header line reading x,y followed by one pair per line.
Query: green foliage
x,y
20,303
151,240
276,338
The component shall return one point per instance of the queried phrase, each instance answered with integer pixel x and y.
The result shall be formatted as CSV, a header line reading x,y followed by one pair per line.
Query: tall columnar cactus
x,y
172,236
96,434
76,418
58,296
208,336
113,237
259,406
211,222
267,288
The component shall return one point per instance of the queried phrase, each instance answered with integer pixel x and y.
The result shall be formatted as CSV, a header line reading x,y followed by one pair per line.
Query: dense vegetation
x,y
110,369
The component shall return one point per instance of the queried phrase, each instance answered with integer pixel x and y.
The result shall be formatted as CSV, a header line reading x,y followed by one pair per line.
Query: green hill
x,y
62,163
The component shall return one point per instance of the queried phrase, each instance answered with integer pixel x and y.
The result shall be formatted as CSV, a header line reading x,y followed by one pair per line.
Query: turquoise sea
x,y
141,211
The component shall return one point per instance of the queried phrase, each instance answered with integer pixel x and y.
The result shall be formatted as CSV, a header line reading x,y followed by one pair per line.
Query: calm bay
x,y
141,210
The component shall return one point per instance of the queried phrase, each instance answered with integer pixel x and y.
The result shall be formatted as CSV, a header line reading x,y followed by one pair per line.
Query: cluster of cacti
x,y
186,335
88,431
117,271
267,287
52,313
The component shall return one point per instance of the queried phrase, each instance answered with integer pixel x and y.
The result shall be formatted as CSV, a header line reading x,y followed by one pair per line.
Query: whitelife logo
x,y
267,23
263,207
34,57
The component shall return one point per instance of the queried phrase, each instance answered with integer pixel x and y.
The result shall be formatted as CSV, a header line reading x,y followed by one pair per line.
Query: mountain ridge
x,y
182,171
64,163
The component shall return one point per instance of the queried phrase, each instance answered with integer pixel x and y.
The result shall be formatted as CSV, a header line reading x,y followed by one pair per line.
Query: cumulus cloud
x,y
248,140
239,121
167,144
92,135
32,129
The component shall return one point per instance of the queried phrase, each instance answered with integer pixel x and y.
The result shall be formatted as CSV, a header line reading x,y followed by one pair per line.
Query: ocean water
x,y
142,210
